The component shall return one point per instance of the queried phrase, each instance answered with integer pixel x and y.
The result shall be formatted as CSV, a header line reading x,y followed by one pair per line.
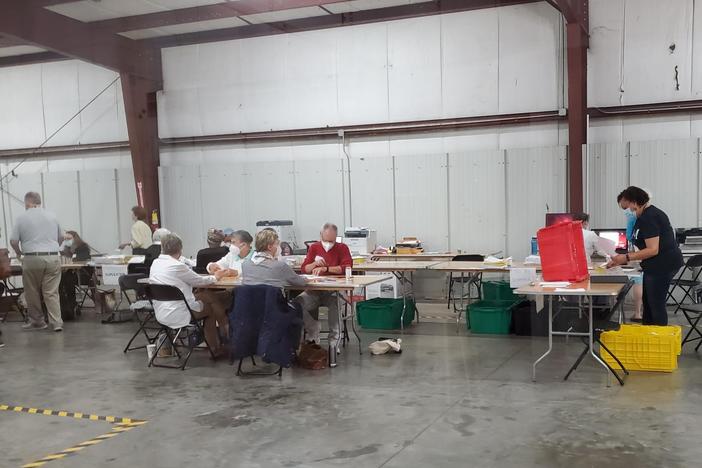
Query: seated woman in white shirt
x,y
168,269
590,238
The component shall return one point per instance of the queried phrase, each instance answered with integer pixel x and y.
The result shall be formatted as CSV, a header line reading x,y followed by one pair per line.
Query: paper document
x,y
607,246
490,260
563,290
519,277
554,284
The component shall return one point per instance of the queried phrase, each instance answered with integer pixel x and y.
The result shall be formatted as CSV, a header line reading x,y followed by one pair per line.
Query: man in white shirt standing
x,y
590,238
35,238
168,269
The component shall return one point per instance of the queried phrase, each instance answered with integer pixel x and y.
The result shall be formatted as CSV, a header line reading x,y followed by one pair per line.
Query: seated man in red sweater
x,y
326,257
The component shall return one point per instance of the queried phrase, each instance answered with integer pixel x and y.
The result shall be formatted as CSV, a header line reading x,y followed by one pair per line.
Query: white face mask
x,y
278,252
327,245
68,243
234,250
227,244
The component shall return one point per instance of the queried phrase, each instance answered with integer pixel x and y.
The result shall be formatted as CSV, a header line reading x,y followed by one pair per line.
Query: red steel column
x,y
142,126
577,110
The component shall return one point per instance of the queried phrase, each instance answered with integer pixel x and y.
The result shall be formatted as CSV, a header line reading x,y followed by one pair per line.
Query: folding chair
x,y
11,293
86,285
183,337
688,286
141,303
693,313
473,281
601,322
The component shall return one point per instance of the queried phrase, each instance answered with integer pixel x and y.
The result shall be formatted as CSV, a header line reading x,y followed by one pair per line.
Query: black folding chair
x,y
10,295
86,285
473,281
602,322
693,313
688,286
184,337
141,304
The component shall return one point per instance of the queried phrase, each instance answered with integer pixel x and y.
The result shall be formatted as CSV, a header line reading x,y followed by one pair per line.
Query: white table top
x,y
394,266
419,257
590,289
327,283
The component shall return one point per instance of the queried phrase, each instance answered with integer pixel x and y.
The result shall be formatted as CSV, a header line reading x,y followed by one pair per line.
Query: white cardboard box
x,y
389,288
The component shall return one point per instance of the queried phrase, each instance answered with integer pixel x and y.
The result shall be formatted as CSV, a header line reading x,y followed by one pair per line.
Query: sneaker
x,y
34,326
58,329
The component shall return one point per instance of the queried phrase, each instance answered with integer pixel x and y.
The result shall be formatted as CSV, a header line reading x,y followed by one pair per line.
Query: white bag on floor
x,y
385,346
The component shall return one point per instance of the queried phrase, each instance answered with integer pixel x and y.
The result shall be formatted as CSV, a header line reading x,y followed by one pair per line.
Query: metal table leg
x,y
400,275
414,299
550,338
462,306
334,346
590,340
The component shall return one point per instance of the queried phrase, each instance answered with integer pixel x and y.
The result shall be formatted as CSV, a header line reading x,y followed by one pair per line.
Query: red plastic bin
x,y
562,252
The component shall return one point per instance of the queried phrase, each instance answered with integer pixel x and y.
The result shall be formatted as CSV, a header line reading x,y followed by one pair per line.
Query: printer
x,y
360,240
689,236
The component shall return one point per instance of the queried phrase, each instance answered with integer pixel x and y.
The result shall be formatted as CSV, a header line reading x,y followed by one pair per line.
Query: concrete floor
x,y
448,400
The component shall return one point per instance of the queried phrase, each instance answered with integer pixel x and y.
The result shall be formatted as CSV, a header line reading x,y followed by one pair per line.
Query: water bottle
x,y
348,274
534,246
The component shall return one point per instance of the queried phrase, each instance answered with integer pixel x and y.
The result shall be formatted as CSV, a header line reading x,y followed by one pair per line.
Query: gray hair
x,y
243,236
159,234
171,244
331,226
33,197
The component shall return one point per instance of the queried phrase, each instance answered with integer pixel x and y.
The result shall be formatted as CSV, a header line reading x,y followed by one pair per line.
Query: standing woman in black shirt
x,y
658,252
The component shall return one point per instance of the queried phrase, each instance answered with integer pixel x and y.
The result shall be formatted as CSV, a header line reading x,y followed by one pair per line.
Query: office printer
x,y
689,236
360,240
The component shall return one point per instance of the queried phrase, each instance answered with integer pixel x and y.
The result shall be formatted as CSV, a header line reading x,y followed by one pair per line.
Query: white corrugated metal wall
x,y
669,169
96,203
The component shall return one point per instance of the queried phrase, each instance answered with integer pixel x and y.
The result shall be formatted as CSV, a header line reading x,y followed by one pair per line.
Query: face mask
x,y
278,252
68,243
630,223
234,250
327,245
227,244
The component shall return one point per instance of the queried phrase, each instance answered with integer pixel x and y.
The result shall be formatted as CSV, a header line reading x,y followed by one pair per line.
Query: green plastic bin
x,y
383,313
498,291
490,317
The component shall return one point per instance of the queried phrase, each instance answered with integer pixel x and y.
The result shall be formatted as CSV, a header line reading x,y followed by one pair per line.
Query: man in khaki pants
x,y
35,238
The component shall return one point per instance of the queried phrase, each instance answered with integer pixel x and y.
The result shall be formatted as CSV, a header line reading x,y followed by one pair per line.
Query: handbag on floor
x,y
312,356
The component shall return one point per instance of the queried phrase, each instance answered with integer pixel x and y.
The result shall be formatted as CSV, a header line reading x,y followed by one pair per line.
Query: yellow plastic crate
x,y
643,347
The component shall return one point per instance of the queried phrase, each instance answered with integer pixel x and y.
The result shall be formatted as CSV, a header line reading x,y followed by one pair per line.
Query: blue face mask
x,y
630,222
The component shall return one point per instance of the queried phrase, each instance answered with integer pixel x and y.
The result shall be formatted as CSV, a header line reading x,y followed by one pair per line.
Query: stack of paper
x,y
554,284
490,260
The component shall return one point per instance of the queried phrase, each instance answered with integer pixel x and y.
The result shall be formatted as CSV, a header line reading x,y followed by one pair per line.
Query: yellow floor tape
x,y
120,425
